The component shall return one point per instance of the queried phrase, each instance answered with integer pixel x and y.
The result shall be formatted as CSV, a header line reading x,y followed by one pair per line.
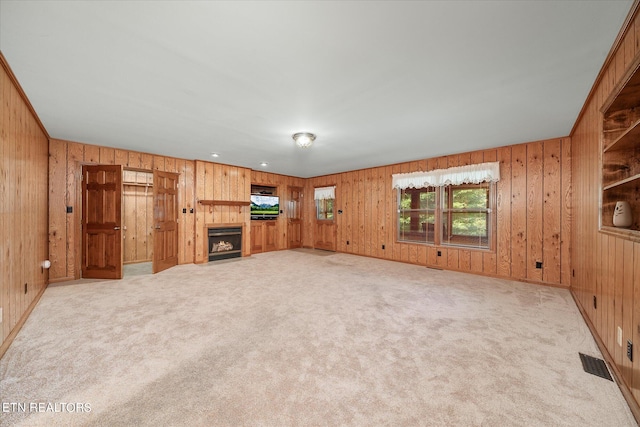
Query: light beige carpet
x,y
290,338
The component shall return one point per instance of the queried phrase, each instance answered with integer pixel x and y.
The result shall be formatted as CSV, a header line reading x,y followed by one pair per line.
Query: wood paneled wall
x,y
137,216
607,268
65,170
282,183
23,206
215,181
532,204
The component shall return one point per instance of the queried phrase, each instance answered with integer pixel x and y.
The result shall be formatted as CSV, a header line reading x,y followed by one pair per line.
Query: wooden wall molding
x,y
14,332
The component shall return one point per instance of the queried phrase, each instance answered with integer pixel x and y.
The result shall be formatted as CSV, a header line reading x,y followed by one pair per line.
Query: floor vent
x,y
595,366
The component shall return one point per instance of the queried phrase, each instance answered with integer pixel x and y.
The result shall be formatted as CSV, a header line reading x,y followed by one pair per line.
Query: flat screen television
x,y
264,207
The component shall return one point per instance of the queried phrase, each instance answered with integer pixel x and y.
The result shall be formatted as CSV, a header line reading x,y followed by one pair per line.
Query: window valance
x,y
471,174
322,193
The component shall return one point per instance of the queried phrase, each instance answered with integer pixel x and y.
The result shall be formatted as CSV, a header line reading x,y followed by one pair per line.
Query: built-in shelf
x,y
628,139
137,184
621,182
224,202
625,233
620,166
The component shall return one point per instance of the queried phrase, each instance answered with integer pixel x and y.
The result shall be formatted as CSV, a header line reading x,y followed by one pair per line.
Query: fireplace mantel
x,y
223,224
224,202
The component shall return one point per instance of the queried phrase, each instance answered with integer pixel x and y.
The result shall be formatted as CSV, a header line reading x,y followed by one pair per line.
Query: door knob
x,y
116,228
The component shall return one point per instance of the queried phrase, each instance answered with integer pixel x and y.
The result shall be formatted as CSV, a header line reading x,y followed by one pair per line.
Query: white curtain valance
x,y
322,193
471,174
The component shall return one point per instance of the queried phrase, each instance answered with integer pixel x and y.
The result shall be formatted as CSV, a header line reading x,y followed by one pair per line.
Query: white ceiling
x,y
378,82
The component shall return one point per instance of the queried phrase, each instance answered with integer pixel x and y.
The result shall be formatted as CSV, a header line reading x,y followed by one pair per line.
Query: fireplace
x,y
224,242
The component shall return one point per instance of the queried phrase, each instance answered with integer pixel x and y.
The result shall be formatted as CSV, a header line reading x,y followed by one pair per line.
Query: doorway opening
x,y
144,213
137,269
137,217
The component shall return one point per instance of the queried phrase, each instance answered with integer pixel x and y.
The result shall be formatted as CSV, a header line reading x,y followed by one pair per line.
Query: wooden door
x,y
102,221
257,237
270,236
294,217
165,218
325,230
325,235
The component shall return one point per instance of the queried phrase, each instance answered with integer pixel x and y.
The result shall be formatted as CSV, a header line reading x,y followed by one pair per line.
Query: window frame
x,y
448,211
442,212
417,212
323,203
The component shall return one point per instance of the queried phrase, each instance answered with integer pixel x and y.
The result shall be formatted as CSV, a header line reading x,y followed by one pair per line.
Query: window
x,y
448,206
324,209
417,215
456,215
324,197
465,215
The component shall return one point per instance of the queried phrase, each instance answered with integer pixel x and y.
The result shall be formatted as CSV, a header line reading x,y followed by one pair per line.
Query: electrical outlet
x,y
383,247
347,242
630,350
538,264
439,253
619,336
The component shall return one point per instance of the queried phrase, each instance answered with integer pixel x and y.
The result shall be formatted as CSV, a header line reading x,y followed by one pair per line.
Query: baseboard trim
x,y
626,391
475,273
14,332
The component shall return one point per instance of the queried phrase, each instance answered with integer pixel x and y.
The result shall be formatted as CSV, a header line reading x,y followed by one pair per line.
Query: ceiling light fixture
x,y
304,139
264,164
215,155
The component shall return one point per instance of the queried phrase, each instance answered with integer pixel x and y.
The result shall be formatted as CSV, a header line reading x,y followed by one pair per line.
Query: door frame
x,y
79,211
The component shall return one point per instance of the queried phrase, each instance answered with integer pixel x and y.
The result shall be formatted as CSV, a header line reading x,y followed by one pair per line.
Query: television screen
x,y
264,206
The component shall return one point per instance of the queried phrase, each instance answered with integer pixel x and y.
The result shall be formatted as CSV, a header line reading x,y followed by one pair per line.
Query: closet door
x,y
102,221
165,218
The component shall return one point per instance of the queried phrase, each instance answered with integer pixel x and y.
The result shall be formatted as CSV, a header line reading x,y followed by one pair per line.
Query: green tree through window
x,y
451,215
324,209
417,214
466,215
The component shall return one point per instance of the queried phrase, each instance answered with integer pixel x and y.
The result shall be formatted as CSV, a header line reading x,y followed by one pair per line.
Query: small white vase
x,y
622,215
